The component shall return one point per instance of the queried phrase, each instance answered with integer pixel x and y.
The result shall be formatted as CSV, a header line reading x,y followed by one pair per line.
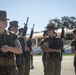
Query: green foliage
x,y
66,21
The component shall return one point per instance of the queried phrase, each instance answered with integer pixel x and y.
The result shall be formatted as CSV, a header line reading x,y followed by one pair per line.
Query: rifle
x,y
62,36
29,42
29,45
25,27
19,58
24,34
62,33
32,30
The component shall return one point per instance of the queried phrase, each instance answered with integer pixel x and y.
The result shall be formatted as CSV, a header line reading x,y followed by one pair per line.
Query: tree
x,y
65,21
56,22
70,22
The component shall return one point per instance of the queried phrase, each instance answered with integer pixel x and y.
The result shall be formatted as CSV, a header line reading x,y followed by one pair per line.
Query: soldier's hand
x,y
26,48
5,48
45,49
25,38
59,50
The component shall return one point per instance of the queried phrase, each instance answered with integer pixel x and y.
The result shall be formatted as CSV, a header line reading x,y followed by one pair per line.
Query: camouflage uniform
x,y
25,58
19,57
53,59
73,48
44,60
24,63
27,66
7,61
73,43
53,62
44,54
20,64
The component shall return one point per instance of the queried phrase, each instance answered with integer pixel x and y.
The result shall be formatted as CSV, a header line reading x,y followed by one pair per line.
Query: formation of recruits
x,y
52,46
13,48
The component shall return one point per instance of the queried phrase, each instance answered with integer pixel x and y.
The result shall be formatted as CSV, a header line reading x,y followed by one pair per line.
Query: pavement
x,y
67,66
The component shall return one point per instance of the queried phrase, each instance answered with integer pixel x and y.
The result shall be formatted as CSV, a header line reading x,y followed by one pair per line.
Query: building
x,y
38,36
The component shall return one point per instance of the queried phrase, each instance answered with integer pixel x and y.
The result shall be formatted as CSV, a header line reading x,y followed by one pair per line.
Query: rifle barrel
x,y
26,21
33,26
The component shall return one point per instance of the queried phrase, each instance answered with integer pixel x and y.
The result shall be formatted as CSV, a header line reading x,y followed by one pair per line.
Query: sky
x,y
38,11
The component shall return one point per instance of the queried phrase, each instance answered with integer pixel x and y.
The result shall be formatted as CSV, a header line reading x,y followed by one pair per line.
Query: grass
x,y
68,54
63,55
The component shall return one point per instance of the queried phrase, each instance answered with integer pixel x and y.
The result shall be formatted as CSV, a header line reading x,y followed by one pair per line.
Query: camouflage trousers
x,y
27,66
8,70
44,60
20,69
53,67
20,64
75,64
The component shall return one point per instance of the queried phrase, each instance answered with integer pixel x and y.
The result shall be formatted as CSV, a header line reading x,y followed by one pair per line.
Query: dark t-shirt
x,y
53,43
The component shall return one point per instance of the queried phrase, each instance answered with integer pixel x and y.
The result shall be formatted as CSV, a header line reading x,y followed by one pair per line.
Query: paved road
x,y
67,66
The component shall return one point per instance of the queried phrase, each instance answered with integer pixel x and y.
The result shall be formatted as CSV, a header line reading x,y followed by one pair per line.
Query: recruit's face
x,y
14,29
44,35
3,24
21,33
51,32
